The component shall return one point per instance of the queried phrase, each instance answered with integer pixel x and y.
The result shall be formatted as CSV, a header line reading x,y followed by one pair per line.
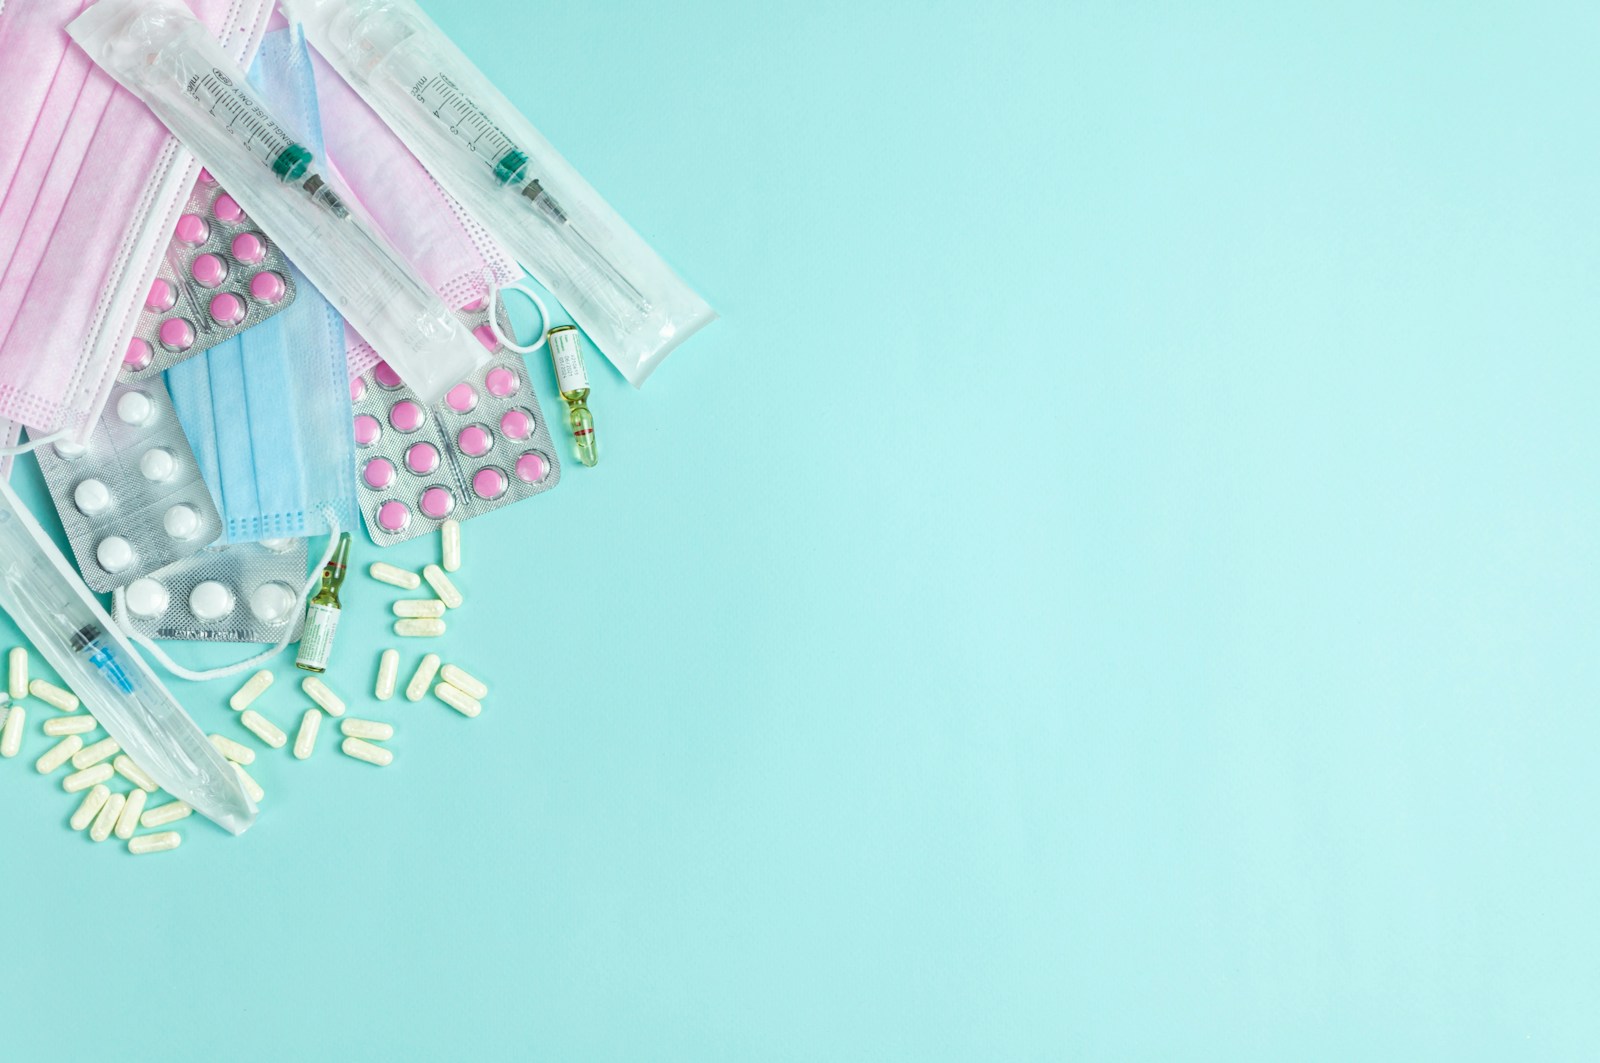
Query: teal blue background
x,y
1119,583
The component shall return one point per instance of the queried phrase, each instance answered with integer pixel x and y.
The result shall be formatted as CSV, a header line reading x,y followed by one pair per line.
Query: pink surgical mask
x,y
91,185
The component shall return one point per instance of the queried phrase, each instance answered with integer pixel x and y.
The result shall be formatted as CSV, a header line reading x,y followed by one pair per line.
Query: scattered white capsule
x,y
82,780
419,628
318,691
54,696
427,608
457,699
104,749
450,541
442,586
58,754
253,689
251,787
464,681
355,747
81,724
239,754
263,728
126,768
11,733
93,801
417,689
105,821
17,686
370,729
395,577
388,674
306,741
161,815
128,818
164,842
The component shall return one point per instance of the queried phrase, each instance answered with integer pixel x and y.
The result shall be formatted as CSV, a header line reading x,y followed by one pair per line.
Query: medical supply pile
x,y
278,318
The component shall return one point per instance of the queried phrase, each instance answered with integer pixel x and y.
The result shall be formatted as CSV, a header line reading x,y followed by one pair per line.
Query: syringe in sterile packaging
x,y
61,617
166,57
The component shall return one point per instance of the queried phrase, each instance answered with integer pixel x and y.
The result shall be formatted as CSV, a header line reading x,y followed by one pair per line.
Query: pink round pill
x,y
422,458
267,286
161,296
367,429
192,229
462,398
477,304
227,309
247,247
209,270
177,334
489,483
138,356
474,441
393,516
437,502
516,424
379,473
531,468
205,175
227,208
406,415
501,382
485,336
385,375
358,388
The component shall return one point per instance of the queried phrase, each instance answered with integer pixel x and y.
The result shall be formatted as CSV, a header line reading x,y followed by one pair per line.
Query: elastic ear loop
x,y
494,317
34,444
261,658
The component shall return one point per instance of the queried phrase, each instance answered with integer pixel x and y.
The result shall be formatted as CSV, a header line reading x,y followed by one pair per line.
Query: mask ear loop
x,y
494,317
34,444
160,655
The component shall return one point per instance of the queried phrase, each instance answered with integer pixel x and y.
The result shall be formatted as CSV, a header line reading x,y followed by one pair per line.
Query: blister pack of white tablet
x,y
246,592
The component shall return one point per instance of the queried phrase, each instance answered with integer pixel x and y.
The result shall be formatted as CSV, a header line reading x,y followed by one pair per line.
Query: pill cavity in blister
x,y
483,446
131,499
245,592
219,276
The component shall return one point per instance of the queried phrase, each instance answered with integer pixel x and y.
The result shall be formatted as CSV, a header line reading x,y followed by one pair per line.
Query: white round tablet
x,y
70,451
182,522
135,408
272,602
210,601
158,465
114,553
277,546
92,497
147,598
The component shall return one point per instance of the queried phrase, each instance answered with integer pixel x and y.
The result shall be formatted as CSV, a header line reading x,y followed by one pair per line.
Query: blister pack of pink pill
x,y
244,592
483,446
220,276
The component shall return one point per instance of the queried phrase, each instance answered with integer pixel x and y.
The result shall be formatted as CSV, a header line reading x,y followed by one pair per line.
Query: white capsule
x,y
93,802
355,747
463,681
58,754
394,577
105,821
232,750
450,540
388,674
318,691
161,815
251,787
306,741
81,724
419,629
131,771
407,608
253,689
417,689
18,674
369,729
457,699
164,842
442,586
54,696
128,818
104,749
11,732
82,780
263,728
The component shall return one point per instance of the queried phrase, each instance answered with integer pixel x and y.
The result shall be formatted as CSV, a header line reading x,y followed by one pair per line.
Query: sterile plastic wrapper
x,y
486,154
167,58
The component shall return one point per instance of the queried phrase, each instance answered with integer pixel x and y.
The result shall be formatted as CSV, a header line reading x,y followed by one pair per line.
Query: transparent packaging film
x,y
246,592
220,276
162,54
490,157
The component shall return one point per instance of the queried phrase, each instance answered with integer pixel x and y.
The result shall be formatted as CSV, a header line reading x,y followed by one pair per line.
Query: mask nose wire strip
x,y
494,317
312,581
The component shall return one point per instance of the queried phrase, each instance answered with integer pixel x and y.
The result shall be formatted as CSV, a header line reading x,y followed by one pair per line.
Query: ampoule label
x,y
316,644
568,358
